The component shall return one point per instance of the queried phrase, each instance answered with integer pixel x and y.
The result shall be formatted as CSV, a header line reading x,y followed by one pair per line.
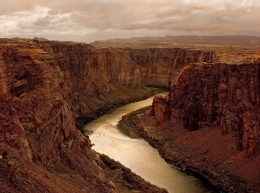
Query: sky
x,y
90,20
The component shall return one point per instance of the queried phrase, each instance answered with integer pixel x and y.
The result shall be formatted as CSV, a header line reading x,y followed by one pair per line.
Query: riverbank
x,y
125,180
205,152
120,95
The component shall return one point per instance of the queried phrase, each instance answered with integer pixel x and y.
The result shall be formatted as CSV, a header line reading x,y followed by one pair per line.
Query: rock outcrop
x,y
41,149
220,105
94,75
219,95
46,90
161,66
49,89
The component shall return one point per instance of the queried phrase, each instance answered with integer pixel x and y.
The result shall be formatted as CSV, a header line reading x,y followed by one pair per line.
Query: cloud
x,y
43,22
81,19
53,12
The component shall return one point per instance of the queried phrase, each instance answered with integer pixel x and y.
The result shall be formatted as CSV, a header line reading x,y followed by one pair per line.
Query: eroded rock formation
x,y
210,120
161,66
45,88
217,95
38,134
48,88
92,74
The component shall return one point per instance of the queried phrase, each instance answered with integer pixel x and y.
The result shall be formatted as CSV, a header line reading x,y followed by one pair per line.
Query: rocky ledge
x,y
209,124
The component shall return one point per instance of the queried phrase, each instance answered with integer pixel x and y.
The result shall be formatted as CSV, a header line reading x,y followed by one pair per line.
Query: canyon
x,y
209,123
50,89
221,102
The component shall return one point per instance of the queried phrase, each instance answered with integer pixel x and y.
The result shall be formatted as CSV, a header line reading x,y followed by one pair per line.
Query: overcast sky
x,y
90,20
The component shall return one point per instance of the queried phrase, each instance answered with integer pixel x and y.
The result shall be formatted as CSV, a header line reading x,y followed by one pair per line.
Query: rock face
x,y
41,149
218,100
93,74
48,89
161,66
219,95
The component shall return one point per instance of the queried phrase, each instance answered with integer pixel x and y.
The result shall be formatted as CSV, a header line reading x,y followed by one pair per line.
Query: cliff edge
x,y
209,124
47,89
50,89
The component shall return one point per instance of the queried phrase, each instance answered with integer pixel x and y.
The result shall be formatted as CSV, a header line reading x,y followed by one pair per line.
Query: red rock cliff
x,y
220,95
45,87
41,149
220,103
161,66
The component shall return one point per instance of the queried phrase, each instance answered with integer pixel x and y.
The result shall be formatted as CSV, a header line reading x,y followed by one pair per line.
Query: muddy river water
x,y
138,155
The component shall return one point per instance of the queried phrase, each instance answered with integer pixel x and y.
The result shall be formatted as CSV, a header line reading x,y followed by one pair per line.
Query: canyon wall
x,y
219,104
49,89
41,149
161,66
219,95
94,75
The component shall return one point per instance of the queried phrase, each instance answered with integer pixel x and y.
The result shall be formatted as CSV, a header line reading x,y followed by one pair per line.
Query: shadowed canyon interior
x,y
119,143
50,89
225,101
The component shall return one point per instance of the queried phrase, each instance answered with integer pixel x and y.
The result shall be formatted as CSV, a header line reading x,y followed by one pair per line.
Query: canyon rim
x,y
50,89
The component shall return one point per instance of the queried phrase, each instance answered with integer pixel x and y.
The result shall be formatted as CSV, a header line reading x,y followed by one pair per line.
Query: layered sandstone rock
x,y
220,105
220,95
93,74
49,89
38,134
44,88
161,66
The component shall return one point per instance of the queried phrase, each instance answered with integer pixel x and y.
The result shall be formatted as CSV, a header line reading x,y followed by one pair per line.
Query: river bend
x,y
138,155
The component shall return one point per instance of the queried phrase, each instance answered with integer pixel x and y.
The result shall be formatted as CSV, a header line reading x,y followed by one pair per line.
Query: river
x,y
138,155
